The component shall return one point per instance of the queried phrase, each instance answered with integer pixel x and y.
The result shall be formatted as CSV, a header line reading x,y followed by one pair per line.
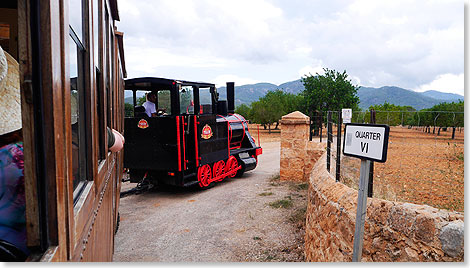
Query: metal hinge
x,y
28,91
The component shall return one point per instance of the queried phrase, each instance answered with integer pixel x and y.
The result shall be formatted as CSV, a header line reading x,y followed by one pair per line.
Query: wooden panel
x,y
27,113
98,246
67,132
83,212
54,138
10,17
4,31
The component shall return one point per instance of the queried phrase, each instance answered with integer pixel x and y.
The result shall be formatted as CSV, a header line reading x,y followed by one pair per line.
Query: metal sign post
x,y
361,210
369,143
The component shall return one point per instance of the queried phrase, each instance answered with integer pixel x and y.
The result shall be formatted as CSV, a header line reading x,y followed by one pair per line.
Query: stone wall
x,y
298,154
394,231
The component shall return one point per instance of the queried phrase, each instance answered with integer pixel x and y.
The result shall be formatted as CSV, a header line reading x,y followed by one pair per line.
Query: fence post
x,y
310,129
338,148
329,140
321,124
370,188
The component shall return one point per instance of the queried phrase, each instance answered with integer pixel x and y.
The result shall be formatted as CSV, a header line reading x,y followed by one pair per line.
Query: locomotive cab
x,y
194,138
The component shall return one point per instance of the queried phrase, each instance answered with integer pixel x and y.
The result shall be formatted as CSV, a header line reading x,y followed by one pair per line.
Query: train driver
x,y
149,105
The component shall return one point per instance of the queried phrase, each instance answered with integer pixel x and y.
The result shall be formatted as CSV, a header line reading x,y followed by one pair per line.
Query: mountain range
x,y
368,96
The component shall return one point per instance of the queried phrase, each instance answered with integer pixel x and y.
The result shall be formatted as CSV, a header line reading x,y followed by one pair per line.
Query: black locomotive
x,y
194,139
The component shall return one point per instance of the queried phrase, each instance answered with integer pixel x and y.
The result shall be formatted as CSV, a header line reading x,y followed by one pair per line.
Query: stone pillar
x,y
294,145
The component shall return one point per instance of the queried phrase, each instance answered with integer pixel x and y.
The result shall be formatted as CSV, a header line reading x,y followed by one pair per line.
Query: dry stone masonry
x,y
394,231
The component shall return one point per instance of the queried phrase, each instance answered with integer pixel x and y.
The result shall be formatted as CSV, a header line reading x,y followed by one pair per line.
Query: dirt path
x,y
240,219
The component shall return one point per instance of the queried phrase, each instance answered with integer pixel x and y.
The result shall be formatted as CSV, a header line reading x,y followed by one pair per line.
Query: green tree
x,y
392,114
244,110
332,91
448,115
128,110
270,108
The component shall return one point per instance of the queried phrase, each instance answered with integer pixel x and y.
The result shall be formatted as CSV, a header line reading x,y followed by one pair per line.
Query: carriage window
x,y
128,103
100,113
164,101
186,100
77,116
75,17
96,30
77,103
205,100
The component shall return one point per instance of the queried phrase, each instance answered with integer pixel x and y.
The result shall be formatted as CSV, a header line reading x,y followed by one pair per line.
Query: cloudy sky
x,y
417,45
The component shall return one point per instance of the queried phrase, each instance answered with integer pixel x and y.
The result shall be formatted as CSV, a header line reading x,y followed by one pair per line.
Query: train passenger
x,y
12,192
150,107
115,140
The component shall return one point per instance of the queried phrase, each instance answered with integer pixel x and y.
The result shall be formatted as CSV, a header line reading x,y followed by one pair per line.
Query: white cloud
x,y
313,69
355,80
449,83
221,80
309,70
405,43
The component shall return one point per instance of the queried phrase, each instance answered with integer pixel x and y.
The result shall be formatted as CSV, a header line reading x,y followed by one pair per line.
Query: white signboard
x,y
366,141
346,115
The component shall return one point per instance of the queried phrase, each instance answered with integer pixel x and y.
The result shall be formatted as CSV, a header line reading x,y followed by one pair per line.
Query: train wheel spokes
x,y
232,164
228,166
204,175
219,168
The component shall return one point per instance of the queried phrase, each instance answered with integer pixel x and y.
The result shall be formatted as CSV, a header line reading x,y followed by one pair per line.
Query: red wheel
x,y
219,168
227,166
204,175
232,164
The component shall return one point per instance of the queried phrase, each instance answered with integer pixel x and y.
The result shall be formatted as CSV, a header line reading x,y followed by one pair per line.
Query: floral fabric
x,y
12,196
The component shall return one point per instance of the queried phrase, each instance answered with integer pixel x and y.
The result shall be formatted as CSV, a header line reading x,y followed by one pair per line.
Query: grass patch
x,y
275,180
269,258
276,177
299,187
283,203
265,194
299,215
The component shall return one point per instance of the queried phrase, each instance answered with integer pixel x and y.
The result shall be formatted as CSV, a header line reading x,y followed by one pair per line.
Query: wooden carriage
x,y
71,78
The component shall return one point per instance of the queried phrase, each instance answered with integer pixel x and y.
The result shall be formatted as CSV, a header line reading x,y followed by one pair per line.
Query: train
x,y
71,71
196,139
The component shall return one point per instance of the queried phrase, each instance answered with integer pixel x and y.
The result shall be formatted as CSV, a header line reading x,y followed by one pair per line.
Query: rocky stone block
x,y
452,238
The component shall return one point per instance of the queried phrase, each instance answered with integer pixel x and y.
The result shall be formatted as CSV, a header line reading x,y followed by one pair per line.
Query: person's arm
x,y
153,110
115,140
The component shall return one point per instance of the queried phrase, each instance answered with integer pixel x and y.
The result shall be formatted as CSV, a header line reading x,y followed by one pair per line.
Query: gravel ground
x,y
239,219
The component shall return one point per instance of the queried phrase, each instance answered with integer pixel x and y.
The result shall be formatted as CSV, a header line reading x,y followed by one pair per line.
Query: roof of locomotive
x,y
145,83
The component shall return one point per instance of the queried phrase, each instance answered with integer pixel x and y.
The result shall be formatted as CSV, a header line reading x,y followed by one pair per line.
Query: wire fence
x,y
425,162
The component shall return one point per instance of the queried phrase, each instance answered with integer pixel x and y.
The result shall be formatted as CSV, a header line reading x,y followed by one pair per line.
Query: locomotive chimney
x,y
231,97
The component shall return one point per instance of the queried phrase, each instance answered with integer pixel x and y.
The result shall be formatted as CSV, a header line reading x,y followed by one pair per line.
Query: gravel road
x,y
230,222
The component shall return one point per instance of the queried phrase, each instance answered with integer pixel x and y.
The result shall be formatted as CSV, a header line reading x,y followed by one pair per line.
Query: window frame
x,y
83,126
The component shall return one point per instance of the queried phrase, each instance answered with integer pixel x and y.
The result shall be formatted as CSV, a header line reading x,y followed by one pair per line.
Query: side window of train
x,y
97,29
77,94
109,73
186,100
205,100
164,101
129,103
